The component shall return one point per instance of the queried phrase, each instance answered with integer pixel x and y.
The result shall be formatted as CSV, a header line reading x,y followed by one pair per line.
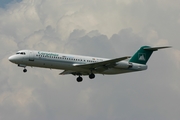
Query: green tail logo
x,y
144,53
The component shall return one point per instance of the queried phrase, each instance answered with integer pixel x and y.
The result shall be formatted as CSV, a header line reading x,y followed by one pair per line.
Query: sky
x,y
102,28
4,3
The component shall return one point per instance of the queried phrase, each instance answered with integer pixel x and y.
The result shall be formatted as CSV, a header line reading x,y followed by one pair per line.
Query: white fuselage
x,y
68,62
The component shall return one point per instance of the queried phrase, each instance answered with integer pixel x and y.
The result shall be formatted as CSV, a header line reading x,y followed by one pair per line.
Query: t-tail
x,y
144,53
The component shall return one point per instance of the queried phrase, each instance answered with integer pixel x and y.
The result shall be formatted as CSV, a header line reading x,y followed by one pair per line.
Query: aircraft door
x,y
31,56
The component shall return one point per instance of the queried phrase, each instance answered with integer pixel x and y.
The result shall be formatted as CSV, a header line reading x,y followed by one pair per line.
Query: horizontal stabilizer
x,y
156,48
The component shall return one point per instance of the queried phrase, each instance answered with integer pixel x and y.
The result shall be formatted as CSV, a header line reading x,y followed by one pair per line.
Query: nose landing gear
x,y
24,66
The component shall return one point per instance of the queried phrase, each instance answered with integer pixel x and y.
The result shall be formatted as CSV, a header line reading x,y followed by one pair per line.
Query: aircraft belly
x,y
49,64
116,71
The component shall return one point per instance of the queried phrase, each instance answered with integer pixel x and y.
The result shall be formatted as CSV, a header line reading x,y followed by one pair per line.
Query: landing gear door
x,y
31,56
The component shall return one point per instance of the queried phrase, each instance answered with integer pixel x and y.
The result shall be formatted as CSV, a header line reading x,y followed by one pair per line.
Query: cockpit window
x,y
22,53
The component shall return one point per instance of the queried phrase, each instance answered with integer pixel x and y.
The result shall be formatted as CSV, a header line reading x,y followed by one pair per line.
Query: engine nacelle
x,y
131,66
123,65
138,67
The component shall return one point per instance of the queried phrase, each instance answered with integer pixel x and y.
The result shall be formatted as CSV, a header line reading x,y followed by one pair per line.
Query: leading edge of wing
x,y
103,63
66,72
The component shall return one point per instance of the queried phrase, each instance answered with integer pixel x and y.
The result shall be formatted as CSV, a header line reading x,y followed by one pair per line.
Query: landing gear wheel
x,y
91,76
25,70
79,79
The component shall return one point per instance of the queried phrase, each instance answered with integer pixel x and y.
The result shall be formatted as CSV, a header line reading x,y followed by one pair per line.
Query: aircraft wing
x,y
66,72
94,66
107,63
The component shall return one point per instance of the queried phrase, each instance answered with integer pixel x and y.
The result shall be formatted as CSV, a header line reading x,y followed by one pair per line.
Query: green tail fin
x,y
141,56
144,53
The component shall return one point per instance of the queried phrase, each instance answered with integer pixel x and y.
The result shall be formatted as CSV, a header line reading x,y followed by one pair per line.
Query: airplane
x,y
78,65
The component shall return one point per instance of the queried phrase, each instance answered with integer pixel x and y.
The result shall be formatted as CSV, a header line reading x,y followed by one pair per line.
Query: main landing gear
x,y
91,76
80,79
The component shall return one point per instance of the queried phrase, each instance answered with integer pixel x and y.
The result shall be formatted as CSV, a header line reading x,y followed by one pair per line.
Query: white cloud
x,y
105,28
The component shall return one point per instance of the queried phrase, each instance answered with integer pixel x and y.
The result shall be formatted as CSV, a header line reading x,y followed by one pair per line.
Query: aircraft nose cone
x,y
11,59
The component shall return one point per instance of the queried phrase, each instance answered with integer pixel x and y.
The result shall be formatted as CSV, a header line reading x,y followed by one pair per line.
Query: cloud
x,y
96,28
